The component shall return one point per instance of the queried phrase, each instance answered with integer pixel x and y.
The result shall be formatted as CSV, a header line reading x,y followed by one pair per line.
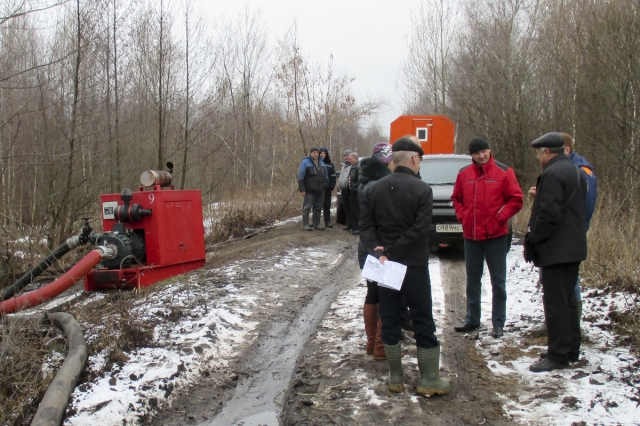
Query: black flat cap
x,y
550,140
404,144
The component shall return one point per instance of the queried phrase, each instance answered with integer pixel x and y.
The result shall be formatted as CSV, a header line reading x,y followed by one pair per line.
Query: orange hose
x,y
50,291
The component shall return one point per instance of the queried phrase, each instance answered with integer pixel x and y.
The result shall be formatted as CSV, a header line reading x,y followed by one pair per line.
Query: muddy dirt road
x,y
304,362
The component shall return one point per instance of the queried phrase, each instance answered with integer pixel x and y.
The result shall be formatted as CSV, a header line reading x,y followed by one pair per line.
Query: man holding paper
x,y
394,225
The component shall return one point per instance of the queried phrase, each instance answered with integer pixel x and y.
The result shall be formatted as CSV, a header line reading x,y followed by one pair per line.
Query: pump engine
x,y
154,233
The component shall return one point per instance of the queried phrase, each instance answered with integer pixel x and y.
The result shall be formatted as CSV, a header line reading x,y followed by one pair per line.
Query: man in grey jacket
x,y
557,243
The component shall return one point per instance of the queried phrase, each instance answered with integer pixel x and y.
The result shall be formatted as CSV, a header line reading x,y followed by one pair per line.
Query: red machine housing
x,y
173,237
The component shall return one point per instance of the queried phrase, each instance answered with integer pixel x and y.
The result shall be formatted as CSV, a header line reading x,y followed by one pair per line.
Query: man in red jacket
x,y
486,195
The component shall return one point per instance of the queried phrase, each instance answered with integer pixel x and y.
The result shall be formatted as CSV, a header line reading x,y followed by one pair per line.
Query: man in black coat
x,y
331,171
557,243
354,205
394,225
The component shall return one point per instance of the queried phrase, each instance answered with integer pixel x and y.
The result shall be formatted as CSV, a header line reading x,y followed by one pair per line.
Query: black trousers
x,y
560,311
326,206
373,294
417,289
355,210
346,204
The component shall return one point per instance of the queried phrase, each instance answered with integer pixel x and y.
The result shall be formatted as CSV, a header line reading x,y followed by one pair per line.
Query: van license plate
x,y
449,227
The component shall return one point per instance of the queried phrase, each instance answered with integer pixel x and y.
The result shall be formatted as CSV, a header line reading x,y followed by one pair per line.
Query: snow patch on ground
x,y
600,388
203,340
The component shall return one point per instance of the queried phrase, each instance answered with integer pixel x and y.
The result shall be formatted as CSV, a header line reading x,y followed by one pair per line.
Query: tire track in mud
x,y
286,279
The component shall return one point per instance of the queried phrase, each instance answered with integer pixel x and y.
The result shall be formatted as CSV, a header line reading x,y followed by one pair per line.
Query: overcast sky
x,y
368,39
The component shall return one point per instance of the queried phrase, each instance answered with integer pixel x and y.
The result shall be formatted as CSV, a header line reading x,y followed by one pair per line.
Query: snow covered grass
x,y
602,388
196,335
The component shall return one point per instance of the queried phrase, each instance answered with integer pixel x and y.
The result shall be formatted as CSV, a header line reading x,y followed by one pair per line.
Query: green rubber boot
x,y
305,221
396,375
317,222
430,382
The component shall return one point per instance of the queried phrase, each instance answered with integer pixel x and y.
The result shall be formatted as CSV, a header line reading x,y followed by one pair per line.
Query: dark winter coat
x,y
558,218
354,178
592,184
331,170
311,178
371,170
396,214
485,197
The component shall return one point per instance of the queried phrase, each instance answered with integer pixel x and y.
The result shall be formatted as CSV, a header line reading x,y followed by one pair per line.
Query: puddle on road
x,y
258,399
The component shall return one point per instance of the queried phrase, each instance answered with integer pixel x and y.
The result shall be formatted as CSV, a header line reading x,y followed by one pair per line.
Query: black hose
x,y
27,278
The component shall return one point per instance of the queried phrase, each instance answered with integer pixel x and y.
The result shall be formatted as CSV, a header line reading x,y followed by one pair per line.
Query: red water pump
x,y
155,233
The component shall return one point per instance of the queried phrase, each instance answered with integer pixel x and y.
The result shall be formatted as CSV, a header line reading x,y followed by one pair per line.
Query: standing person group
x,y
394,220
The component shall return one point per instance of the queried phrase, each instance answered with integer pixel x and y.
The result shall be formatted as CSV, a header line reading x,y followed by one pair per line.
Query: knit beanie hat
x,y
382,152
477,145
313,149
347,152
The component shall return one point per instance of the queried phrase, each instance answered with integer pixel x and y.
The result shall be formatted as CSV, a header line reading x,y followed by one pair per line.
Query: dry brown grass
x,y
115,326
246,210
24,346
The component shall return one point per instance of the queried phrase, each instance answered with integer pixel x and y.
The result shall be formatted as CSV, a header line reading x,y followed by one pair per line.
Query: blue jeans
x,y
494,251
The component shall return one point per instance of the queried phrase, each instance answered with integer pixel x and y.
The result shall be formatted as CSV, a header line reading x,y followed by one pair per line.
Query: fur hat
x,y
382,151
404,144
477,145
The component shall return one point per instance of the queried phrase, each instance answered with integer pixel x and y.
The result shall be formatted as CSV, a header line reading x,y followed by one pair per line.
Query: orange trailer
x,y
435,132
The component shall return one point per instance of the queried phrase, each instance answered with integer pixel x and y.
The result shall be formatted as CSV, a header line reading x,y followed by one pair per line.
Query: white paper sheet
x,y
389,275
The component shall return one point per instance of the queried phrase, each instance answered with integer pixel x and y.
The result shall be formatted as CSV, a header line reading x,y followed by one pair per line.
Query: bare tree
x,y
431,46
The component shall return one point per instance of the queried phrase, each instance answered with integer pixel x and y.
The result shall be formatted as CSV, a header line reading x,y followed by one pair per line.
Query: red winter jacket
x,y
485,197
